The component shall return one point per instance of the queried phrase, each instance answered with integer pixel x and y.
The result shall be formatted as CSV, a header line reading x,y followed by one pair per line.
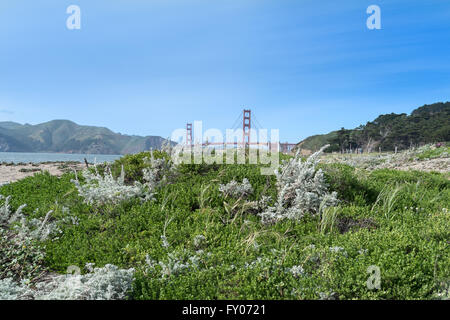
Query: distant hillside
x,y
68,137
427,124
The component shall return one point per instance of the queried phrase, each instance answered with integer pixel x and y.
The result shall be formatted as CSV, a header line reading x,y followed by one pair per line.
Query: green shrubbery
x,y
433,153
194,242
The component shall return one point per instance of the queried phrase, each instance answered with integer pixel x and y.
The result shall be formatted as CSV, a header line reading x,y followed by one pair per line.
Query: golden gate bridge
x,y
245,118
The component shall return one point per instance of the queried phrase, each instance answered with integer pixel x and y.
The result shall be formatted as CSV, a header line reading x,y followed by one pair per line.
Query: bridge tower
x,y
246,126
189,134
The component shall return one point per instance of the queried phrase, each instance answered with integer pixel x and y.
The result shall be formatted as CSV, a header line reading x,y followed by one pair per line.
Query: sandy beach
x,y
14,172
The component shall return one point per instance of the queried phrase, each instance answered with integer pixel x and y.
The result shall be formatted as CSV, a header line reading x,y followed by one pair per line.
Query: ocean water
x,y
18,157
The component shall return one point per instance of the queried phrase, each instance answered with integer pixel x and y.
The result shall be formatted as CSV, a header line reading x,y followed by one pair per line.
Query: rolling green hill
x,y
427,124
68,137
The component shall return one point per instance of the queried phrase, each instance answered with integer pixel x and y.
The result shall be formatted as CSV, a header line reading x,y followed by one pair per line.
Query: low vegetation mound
x,y
144,228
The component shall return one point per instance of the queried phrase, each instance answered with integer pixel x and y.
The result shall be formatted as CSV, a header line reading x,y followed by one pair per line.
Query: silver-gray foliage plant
x,y
158,170
37,229
107,283
11,290
175,263
302,190
105,189
6,215
236,190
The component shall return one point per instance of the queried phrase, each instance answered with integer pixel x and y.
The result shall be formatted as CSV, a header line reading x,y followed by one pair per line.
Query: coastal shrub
x,y
38,229
412,156
302,189
431,152
349,184
380,178
105,189
40,192
11,290
184,245
7,217
159,171
236,189
134,164
107,283
21,258
21,250
443,291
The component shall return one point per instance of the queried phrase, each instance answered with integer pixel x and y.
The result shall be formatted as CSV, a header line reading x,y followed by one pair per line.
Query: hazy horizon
x,y
127,134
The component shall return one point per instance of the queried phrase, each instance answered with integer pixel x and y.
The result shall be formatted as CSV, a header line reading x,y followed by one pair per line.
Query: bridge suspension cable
x,y
244,121
238,121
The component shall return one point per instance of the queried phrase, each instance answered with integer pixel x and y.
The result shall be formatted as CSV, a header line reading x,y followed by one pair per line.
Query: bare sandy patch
x,y
11,173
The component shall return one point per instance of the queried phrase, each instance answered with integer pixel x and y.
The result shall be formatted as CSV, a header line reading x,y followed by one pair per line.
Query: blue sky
x,y
148,67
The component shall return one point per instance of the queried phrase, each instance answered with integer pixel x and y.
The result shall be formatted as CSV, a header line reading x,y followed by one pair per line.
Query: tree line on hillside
x,y
427,124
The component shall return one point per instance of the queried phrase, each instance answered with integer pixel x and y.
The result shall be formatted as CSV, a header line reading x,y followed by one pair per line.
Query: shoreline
x,y
13,172
50,158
